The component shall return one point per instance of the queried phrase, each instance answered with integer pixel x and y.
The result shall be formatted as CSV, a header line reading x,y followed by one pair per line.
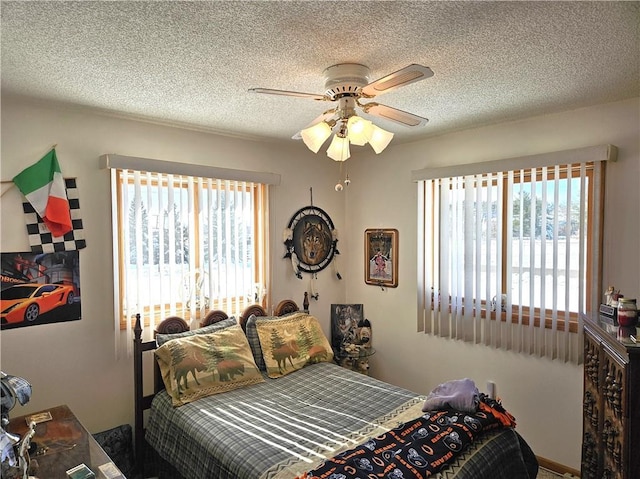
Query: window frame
x,y
512,316
547,316
260,245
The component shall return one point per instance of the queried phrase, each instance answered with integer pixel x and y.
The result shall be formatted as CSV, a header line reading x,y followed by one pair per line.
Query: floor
x,y
545,474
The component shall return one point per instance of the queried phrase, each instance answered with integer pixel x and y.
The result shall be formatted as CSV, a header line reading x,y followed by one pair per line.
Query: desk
x,y
64,443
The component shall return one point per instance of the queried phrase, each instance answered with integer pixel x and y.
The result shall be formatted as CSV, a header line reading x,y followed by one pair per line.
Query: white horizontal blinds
x,y
510,257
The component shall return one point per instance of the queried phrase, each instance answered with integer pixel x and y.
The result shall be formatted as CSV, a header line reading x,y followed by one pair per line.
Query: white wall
x,y
545,396
74,362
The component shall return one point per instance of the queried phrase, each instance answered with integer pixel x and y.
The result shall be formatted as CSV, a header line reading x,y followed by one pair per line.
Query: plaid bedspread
x,y
279,428
285,427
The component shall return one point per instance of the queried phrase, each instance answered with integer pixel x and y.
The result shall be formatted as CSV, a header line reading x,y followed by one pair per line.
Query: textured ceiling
x,y
191,63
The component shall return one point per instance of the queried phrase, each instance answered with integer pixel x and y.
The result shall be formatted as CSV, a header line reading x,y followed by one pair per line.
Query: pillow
x,y
200,365
225,323
291,342
254,340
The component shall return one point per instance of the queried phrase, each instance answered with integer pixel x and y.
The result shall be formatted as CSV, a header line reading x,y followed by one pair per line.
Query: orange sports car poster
x,y
39,288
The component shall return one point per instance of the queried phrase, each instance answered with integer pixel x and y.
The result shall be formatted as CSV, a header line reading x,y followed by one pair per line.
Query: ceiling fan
x,y
348,84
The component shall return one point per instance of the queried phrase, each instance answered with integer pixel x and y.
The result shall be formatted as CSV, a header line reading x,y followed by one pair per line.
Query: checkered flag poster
x,y
42,240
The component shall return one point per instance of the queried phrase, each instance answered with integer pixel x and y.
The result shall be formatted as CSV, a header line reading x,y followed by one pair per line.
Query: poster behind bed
x,y
345,321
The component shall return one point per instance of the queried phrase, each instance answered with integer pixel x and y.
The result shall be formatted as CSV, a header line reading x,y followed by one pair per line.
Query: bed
x,y
288,425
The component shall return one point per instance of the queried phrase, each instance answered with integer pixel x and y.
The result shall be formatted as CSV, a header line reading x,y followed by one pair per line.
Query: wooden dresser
x,y
62,443
611,401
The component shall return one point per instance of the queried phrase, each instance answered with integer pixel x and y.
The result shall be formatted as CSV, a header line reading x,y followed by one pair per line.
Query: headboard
x,y
172,325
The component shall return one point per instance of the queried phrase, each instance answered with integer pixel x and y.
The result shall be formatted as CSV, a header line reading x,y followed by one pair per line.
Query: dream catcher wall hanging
x,y
310,240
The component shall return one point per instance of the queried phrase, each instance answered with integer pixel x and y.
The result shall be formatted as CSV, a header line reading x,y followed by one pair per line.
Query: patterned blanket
x,y
415,449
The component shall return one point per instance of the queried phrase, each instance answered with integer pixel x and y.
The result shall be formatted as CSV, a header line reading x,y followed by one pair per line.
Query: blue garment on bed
x,y
459,394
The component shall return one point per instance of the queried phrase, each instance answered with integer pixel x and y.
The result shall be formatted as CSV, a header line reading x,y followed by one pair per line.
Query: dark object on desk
x,y
609,313
118,444
81,471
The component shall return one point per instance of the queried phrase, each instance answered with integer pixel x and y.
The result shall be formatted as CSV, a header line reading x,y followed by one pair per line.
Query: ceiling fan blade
x,y
402,77
399,116
324,117
313,96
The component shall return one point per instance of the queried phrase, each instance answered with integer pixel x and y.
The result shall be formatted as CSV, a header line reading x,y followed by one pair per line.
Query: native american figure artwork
x,y
381,257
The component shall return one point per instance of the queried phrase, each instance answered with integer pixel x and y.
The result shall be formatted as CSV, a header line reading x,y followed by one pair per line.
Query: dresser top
x,y
621,337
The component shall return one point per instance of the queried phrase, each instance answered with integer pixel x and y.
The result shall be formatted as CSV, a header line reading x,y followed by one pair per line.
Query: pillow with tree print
x,y
292,342
204,364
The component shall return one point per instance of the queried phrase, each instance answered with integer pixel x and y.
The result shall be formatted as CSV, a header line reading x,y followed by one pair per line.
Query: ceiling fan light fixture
x,y
347,84
339,148
379,139
359,130
316,135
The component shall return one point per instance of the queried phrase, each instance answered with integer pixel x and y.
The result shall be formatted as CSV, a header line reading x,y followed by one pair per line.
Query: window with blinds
x,y
187,245
511,258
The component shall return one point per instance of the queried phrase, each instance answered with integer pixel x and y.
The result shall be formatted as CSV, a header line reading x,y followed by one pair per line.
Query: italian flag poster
x,y
43,185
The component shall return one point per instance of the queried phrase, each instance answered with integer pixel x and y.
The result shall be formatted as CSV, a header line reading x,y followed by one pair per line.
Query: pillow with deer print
x,y
292,342
204,364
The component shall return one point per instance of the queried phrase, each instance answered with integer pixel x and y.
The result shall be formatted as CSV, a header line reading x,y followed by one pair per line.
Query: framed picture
x,y
381,257
345,319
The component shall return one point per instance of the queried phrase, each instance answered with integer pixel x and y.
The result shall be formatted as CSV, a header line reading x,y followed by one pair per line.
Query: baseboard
x,y
557,467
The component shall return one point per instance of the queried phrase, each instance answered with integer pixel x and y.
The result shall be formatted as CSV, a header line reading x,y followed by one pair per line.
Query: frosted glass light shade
x,y
379,138
359,130
339,149
316,135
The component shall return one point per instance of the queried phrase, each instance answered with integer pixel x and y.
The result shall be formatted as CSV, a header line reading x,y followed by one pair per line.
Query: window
x,y
510,258
186,245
